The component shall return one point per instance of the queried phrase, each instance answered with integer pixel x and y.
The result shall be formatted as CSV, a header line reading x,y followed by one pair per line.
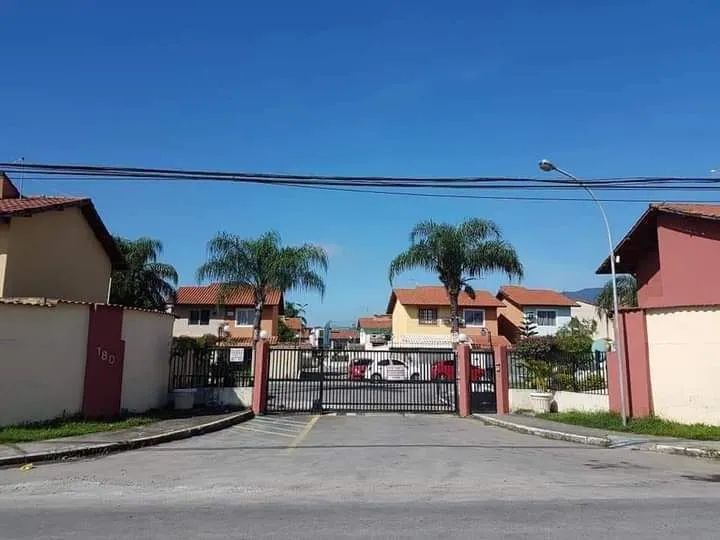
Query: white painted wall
x,y
146,366
684,358
565,401
42,361
562,317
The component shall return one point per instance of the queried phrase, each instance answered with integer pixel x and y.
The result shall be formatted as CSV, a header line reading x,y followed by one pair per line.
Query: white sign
x,y
395,373
237,354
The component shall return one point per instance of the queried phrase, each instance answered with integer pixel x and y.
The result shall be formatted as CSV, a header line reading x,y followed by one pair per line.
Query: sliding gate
x,y
328,380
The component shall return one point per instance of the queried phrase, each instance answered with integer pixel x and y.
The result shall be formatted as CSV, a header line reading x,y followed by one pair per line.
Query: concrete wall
x,y
55,254
684,358
42,361
405,322
564,401
219,316
588,312
4,240
147,339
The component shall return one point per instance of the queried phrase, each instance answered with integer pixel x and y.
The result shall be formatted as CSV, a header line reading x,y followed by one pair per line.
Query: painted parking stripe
x,y
281,429
245,428
279,422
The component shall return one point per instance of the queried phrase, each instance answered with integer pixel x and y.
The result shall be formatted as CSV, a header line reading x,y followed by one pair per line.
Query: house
x,y
54,247
548,309
375,330
670,340
421,317
296,324
340,338
198,311
588,311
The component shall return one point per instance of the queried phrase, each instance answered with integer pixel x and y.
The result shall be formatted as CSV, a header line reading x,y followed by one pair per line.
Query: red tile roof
x,y
344,334
293,323
210,295
705,211
375,323
28,206
435,295
521,296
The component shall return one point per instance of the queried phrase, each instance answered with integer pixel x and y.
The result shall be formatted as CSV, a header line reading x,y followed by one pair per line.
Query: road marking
x,y
281,429
292,423
245,428
303,434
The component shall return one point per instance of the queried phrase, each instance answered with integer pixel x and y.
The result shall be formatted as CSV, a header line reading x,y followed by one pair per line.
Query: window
x,y
474,317
383,362
427,315
199,316
546,317
244,317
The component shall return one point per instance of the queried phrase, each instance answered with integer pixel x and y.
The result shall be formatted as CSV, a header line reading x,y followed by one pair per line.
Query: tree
x,y
627,295
576,337
146,283
458,254
262,264
527,327
285,333
295,309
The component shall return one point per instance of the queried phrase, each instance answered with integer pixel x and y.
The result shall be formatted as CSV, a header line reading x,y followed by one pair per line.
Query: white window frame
x,y
537,318
434,321
244,310
474,325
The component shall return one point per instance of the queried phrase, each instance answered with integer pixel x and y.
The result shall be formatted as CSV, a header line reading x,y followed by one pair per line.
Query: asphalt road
x,y
386,476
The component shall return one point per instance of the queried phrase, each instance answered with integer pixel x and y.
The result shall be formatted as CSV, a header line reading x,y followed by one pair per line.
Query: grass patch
x,y
647,426
67,427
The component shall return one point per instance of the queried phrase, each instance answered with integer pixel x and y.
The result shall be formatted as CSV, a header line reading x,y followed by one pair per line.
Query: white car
x,y
391,370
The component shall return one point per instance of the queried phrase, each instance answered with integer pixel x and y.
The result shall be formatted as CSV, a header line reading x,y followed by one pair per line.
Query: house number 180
x,y
106,356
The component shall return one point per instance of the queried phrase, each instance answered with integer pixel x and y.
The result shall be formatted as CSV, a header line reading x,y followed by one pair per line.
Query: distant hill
x,y
585,295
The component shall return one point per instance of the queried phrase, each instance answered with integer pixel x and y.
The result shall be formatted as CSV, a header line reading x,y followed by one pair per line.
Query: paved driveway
x,y
385,476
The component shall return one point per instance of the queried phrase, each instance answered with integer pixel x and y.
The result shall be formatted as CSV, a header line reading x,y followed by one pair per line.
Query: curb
x,y
131,444
545,433
686,451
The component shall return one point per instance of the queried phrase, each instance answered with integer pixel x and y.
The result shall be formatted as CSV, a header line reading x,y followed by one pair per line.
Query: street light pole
x,y
547,166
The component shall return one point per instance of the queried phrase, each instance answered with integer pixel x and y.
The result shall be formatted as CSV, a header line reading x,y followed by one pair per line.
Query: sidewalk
x,y
114,441
599,437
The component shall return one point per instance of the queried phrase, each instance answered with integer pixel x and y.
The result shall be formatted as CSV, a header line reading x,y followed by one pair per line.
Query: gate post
x,y
463,379
502,380
260,383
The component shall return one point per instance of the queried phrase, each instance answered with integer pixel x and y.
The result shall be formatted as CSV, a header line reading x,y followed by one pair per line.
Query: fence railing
x,y
210,367
585,373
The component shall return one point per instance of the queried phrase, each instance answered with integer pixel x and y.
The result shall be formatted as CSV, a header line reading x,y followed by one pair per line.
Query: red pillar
x,y
463,380
502,380
262,369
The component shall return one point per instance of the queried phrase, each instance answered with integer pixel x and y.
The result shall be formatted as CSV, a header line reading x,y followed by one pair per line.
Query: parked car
x,y
358,368
445,370
391,370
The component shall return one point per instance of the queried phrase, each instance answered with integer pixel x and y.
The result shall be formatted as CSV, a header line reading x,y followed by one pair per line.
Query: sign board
x,y
237,354
396,373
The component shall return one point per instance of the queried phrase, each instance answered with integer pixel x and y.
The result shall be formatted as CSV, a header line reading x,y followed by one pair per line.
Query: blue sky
x,y
615,88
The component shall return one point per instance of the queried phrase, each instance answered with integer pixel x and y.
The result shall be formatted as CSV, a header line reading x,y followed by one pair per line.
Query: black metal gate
x,y
482,382
331,380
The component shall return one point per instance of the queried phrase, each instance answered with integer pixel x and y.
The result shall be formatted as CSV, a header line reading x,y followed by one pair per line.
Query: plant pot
x,y
541,401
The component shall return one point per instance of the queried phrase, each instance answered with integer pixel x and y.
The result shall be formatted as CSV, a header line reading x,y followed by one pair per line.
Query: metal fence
x,y
322,380
209,367
585,373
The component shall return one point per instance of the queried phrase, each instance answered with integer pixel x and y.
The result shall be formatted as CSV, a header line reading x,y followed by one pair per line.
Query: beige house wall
x,y
42,361
4,236
220,316
684,358
405,321
55,254
147,339
588,312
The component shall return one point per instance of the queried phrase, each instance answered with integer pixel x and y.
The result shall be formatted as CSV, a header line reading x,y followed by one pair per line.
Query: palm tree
x,y
295,309
146,283
627,295
262,264
458,254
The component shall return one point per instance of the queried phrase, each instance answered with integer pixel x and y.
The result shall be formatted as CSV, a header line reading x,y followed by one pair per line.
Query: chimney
x,y
7,188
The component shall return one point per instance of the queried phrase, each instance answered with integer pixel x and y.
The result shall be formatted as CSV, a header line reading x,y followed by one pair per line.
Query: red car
x,y
358,368
445,370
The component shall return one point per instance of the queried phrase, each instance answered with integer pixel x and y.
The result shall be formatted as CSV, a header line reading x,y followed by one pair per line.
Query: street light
x,y
548,166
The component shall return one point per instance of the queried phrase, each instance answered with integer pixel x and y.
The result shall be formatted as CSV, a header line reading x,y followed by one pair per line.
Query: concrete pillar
x,y
262,370
502,379
463,380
